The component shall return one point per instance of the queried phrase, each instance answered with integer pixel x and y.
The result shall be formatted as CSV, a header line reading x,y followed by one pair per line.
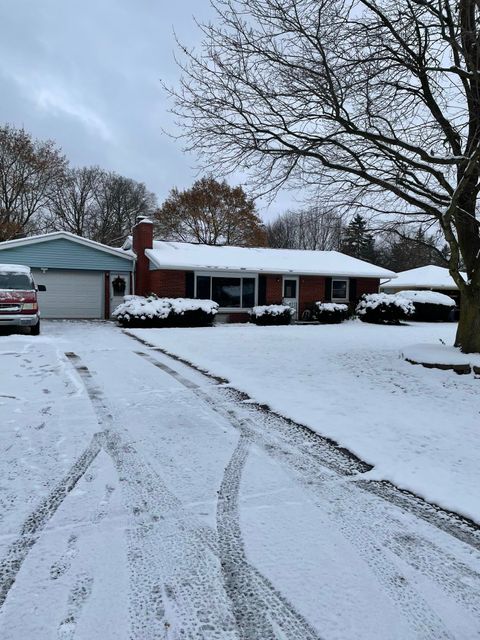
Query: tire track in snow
x,y
341,501
29,533
459,581
262,613
176,581
453,576
354,525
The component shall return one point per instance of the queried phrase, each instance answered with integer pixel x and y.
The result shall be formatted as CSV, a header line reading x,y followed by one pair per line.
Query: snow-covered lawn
x,y
420,428
140,500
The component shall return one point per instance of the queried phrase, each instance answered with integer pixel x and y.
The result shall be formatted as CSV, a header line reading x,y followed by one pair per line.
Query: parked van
x,y
18,298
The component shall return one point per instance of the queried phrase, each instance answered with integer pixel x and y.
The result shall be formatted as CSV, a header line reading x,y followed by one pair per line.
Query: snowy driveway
x,y
140,500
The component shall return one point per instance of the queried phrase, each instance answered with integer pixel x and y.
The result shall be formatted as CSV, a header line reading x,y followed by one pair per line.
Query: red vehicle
x,y
18,298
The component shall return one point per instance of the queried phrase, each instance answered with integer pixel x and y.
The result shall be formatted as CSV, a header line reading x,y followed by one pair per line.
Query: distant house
x,y
429,278
239,278
84,279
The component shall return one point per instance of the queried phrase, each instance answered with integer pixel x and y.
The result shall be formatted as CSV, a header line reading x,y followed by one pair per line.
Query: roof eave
x,y
150,253
8,244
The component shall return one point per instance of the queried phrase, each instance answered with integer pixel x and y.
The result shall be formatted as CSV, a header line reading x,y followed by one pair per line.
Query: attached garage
x,y
84,279
70,294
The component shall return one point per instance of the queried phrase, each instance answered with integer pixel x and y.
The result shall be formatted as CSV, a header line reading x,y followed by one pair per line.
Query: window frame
x,y
229,274
347,290
297,287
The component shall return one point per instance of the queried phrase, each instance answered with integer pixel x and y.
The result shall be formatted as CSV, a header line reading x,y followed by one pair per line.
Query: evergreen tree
x,y
357,241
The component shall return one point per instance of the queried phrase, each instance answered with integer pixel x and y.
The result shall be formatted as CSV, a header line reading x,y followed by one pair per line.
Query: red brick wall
x,y
142,239
167,283
367,285
312,289
274,289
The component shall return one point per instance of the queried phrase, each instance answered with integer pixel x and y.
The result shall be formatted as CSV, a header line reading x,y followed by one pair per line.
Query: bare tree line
x,y
314,227
40,192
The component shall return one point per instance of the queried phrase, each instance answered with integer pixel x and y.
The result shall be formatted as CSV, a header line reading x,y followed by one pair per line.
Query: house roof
x,y
428,277
66,235
184,255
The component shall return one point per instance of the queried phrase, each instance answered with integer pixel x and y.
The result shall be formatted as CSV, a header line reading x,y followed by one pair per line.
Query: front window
x,y
248,292
290,288
340,290
228,291
203,288
18,281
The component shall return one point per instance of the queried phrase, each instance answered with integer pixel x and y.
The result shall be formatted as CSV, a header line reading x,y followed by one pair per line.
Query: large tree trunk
x,y
468,332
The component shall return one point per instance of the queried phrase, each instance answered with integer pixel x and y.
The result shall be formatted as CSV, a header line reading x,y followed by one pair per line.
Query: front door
x,y
290,293
119,287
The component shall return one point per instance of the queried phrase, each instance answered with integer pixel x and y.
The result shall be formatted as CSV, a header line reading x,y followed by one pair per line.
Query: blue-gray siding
x,y
64,254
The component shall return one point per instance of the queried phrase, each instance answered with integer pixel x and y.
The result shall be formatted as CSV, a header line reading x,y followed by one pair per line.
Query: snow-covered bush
x,y
429,305
383,308
271,314
330,312
138,311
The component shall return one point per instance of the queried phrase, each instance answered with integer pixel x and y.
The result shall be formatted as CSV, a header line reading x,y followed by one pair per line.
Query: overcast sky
x,y
86,73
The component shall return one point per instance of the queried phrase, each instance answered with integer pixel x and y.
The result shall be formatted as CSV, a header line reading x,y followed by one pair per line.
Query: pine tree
x,y
357,241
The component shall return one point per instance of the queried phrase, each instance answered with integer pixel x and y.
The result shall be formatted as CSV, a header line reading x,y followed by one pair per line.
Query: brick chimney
x,y
142,239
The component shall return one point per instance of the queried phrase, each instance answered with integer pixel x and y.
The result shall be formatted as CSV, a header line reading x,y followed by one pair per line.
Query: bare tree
x,y
400,248
118,202
73,204
29,172
210,212
97,204
315,227
281,233
376,98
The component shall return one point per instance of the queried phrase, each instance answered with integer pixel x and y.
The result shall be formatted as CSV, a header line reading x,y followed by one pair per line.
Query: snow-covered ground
x,y
140,500
418,427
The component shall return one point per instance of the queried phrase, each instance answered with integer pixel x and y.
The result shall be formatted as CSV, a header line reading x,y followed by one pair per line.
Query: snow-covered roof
x,y
427,297
429,277
14,268
184,255
55,235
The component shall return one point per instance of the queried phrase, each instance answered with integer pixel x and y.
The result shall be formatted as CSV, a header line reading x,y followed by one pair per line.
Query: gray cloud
x,y
86,73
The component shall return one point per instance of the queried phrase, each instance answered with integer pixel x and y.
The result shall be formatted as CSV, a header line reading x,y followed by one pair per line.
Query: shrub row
x,y
330,312
271,314
138,312
376,308
383,308
429,305
423,306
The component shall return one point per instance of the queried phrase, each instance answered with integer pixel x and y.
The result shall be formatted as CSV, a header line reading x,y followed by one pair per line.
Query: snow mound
x,y
427,297
440,354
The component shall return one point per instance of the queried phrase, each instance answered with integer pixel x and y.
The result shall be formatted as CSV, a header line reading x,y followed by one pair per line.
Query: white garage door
x,y
70,294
